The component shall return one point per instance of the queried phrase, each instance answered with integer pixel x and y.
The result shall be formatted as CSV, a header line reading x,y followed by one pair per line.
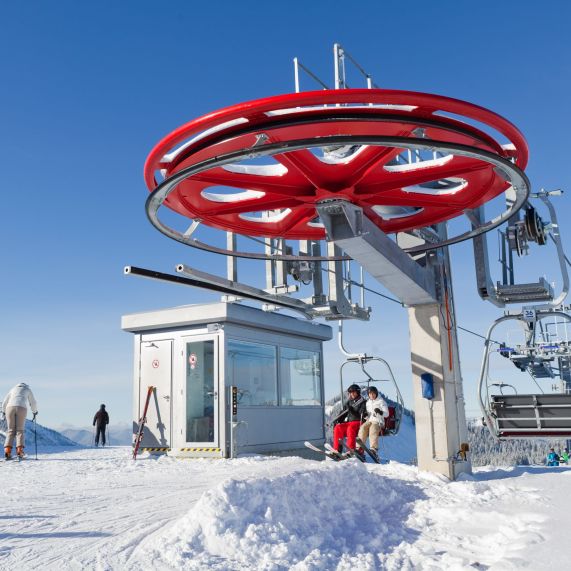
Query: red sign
x,y
155,363
192,360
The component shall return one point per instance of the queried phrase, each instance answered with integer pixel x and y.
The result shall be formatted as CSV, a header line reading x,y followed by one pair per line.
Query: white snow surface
x,y
97,509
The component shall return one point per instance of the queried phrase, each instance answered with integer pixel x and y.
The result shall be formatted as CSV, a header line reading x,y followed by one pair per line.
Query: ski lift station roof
x,y
200,314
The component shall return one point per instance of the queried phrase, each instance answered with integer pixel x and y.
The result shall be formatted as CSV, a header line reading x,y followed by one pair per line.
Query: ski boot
x,y
7,453
20,452
375,455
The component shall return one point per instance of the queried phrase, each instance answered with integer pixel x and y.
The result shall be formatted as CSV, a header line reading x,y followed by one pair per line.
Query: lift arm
x,y
353,232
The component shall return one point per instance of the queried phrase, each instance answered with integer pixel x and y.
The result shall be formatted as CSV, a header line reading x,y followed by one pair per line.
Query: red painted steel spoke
x,y
283,184
370,158
364,179
255,205
457,167
305,163
296,217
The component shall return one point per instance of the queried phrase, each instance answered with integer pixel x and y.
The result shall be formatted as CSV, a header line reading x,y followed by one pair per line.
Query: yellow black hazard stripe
x,y
156,449
199,449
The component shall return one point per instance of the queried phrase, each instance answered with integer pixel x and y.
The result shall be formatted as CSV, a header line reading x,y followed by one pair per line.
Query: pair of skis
x,y
17,458
330,452
372,454
142,422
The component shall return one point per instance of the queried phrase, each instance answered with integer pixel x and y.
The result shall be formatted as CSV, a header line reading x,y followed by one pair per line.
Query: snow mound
x,y
313,519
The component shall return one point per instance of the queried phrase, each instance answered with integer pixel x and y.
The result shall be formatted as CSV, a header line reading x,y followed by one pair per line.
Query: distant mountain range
x,y
117,435
43,436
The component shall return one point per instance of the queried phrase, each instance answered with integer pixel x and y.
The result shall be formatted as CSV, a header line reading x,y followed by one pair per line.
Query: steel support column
x,y
441,431
441,422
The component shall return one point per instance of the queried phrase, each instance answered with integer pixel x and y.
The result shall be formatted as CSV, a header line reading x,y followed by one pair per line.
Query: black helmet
x,y
355,388
373,390
102,406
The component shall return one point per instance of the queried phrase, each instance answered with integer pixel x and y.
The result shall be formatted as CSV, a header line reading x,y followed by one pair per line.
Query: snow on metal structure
x,y
345,181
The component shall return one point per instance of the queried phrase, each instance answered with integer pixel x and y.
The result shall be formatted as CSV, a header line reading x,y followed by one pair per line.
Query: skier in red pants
x,y
349,420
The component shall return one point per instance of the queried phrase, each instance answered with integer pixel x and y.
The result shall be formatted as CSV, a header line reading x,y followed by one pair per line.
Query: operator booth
x,y
227,379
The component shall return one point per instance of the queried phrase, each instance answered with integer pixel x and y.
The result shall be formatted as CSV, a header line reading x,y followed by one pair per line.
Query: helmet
x,y
354,387
373,390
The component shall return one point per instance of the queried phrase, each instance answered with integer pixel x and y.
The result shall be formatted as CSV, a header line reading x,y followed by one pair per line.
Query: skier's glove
x,y
378,411
34,417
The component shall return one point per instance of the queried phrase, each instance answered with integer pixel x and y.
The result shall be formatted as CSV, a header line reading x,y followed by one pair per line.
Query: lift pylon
x,y
338,171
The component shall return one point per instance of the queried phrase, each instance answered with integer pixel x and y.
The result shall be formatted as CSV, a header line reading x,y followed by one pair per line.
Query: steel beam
x,y
214,283
351,230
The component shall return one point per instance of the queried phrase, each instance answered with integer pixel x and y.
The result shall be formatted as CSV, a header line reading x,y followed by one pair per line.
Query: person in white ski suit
x,y
15,410
377,410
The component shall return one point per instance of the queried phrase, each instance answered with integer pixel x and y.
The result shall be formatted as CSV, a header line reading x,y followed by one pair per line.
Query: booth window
x,y
300,379
200,391
252,367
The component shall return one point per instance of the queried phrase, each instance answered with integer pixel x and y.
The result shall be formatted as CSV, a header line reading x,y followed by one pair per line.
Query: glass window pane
x,y
300,378
200,391
253,369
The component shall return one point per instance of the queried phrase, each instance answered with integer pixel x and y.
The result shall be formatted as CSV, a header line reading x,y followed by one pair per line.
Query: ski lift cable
x,y
564,255
357,284
384,296
535,381
397,301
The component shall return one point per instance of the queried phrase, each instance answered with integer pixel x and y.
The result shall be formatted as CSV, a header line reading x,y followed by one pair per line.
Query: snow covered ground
x,y
97,509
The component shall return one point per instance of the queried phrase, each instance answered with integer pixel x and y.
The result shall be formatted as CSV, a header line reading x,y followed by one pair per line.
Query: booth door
x,y
156,371
201,391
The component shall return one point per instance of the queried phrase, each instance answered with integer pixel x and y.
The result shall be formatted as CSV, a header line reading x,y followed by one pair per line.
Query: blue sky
x,y
87,89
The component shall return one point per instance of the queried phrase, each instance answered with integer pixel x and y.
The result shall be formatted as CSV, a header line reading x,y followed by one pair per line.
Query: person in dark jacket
x,y
100,420
348,421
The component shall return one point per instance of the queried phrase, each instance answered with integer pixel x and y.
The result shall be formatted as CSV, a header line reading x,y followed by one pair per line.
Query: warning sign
x,y
155,363
192,360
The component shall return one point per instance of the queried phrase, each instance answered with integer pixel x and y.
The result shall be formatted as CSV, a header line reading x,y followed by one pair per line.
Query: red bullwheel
x,y
400,156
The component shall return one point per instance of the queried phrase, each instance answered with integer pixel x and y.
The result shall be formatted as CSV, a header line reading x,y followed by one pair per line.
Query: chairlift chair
x,y
527,415
396,405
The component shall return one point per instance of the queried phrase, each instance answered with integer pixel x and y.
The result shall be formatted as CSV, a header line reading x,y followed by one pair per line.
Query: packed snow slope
x,y
97,509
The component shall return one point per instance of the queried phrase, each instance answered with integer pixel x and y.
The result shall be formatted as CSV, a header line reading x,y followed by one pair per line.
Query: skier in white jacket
x,y
377,411
15,409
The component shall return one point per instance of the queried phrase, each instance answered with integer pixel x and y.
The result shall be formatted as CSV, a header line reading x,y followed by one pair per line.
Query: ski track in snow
x,y
97,509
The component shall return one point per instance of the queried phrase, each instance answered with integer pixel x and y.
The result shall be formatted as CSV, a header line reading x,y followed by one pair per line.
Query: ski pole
x,y
35,435
108,436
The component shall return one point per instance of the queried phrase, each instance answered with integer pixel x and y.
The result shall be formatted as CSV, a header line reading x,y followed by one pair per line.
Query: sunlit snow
x,y
97,509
